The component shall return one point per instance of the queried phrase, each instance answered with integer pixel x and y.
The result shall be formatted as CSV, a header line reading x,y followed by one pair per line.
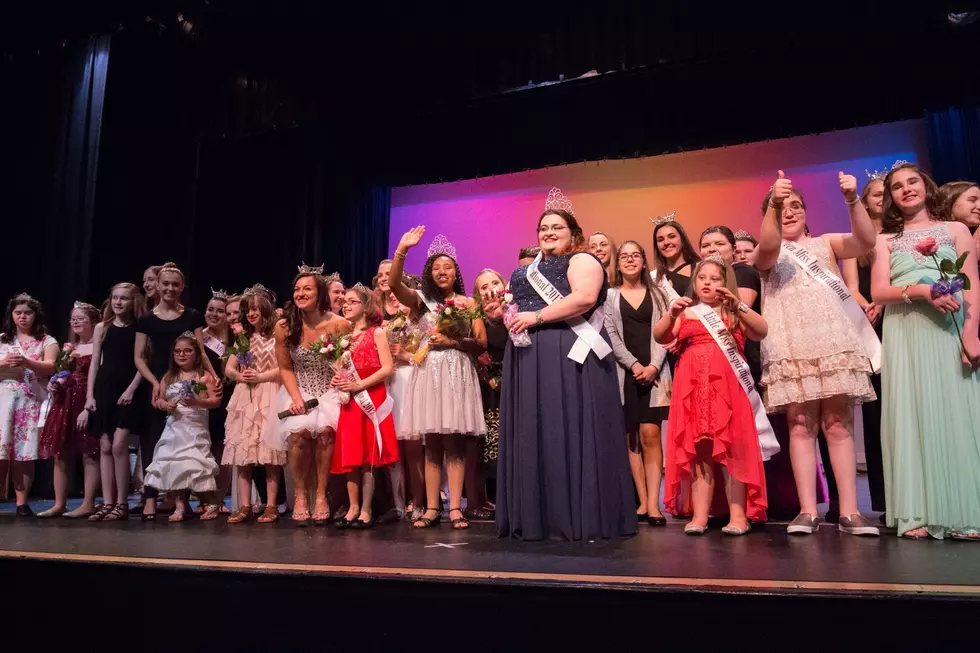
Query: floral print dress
x,y
20,403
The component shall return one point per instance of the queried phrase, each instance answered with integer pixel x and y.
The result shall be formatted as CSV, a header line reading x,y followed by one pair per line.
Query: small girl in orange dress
x,y
711,423
364,441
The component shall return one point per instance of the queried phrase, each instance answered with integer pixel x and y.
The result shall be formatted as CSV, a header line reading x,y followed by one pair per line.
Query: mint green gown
x,y
930,418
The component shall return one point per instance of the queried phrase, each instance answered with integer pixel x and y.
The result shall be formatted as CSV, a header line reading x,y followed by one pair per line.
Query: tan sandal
x,y
270,515
242,515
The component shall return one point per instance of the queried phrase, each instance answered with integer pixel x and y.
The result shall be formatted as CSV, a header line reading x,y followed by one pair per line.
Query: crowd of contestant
x,y
562,399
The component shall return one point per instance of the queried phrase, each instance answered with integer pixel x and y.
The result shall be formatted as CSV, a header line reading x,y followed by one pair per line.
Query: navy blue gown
x,y
562,468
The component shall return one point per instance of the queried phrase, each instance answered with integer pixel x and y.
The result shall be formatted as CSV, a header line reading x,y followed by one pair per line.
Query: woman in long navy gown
x,y
562,467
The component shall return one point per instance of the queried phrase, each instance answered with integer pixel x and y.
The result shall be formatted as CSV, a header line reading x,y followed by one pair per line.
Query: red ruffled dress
x,y
59,434
708,403
356,443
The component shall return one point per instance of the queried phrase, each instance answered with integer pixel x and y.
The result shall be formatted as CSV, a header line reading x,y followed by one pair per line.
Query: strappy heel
x,y
425,522
102,512
461,523
120,512
242,515
270,515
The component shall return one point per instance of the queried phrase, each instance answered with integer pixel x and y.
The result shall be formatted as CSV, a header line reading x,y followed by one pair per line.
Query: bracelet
x,y
905,295
857,198
399,255
538,320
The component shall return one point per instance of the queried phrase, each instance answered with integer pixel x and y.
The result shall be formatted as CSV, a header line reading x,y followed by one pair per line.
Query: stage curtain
x,y
953,136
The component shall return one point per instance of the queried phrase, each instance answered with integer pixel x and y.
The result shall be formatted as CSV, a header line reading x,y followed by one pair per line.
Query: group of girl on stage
x,y
551,388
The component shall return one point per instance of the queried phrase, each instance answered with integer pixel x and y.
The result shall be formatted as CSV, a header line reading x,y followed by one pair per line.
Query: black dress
x,y
871,415
637,324
563,469
217,416
116,372
496,344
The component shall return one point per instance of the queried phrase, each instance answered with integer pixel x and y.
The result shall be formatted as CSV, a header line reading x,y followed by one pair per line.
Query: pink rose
x,y
236,328
68,348
927,246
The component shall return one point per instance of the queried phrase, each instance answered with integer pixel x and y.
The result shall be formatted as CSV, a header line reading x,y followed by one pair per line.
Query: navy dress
x,y
562,468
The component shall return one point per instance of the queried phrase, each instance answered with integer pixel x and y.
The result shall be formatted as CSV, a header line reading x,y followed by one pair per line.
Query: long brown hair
x,y
267,309
950,193
687,250
294,316
138,308
612,266
892,221
578,238
173,372
658,295
372,307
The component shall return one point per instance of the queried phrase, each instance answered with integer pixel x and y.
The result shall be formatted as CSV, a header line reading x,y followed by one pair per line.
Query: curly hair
x,y
687,250
893,221
294,316
429,287
38,328
579,243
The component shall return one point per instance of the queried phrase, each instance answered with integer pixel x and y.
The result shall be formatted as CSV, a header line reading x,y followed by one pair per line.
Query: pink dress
x,y
20,403
249,410
59,434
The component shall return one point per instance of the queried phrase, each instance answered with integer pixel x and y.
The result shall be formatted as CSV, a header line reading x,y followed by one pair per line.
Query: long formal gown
x,y
930,418
182,458
60,435
709,404
562,467
249,410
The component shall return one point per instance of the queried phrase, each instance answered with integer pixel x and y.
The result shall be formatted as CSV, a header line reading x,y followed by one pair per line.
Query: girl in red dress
x,y
711,423
357,452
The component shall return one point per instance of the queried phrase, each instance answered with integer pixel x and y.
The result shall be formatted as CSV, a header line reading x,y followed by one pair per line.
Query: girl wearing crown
x,y
156,333
817,361
313,407
673,255
65,432
442,401
116,396
366,430
256,375
745,244
930,384
711,419
562,469
218,337
27,355
182,460
632,307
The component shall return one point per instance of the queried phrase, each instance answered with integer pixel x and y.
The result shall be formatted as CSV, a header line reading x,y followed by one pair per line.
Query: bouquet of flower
x,y
65,362
397,328
951,280
241,349
450,319
511,310
190,388
332,349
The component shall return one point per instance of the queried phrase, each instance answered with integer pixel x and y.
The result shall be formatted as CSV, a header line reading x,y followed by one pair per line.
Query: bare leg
x,y
90,467
735,490
120,458
299,462
223,482
653,466
456,447
107,467
272,475
837,421
802,420
324,455
353,495
245,485
22,475
636,467
367,493
397,475
703,486
60,474
415,468
434,453
476,487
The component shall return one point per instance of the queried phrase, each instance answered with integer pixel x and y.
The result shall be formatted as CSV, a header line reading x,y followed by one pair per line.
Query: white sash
x,y
723,338
214,345
664,283
431,305
812,266
587,331
363,400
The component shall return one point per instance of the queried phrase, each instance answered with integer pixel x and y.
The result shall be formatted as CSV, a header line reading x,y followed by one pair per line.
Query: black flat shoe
x,y
149,516
343,524
656,521
362,525
24,511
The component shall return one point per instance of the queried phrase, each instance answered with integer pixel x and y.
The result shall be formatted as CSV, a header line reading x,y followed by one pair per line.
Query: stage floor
x,y
766,561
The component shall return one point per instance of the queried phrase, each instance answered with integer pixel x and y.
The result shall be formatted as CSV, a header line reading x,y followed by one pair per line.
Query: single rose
x,y
508,297
68,347
927,246
236,328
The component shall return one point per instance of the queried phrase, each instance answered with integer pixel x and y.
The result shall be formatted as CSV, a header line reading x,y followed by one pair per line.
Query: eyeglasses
x,y
183,352
634,256
795,207
558,228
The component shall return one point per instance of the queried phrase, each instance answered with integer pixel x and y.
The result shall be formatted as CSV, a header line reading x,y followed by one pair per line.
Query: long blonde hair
x,y
138,307
728,274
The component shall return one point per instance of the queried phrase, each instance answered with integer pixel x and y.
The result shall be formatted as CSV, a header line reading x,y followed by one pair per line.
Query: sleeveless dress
x,y
215,350
182,458
562,467
497,338
249,409
637,323
59,435
357,443
398,383
443,394
116,372
930,418
20,403
313,377
813,351
709,403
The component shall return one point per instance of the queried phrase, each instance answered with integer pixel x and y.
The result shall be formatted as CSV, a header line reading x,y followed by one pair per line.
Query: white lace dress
x,y
813,351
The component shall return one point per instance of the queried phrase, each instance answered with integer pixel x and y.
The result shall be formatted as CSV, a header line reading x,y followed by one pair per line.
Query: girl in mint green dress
x,y
930,421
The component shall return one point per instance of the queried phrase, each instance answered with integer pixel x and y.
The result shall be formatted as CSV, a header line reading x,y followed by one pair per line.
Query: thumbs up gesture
x,y
848,186
781,189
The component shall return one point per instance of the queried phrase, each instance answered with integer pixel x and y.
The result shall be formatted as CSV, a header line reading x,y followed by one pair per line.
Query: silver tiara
x,y
441,246
83,306
664,219
334,278
742,234
557,201
898,164
257,289
219,294
188,334
717,260
875,175
23,297
307,269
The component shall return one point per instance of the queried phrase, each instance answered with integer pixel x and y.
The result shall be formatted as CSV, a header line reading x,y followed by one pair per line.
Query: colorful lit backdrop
x,y
490,219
